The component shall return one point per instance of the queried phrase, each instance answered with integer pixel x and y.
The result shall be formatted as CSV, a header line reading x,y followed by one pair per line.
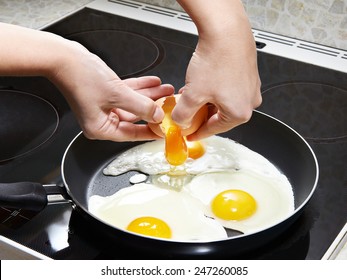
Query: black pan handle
x,y
23,195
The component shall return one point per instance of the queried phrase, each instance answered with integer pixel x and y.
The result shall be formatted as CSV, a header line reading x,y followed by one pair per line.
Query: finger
x,y
185,109
143,82
217,123
157,92
131,132
138,104
153,93
126,116
211,127
150,86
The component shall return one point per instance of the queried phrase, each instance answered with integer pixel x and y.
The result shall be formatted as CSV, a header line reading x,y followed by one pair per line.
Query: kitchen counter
x,y
37,14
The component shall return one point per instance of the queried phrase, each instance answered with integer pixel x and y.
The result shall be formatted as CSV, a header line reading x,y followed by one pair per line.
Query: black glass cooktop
x,y
37,126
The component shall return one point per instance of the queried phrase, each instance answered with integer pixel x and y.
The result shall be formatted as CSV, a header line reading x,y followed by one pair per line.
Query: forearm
x,y
25,51
214,19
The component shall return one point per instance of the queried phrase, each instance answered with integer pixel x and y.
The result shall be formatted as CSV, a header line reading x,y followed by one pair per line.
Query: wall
x,y
319,21
37,13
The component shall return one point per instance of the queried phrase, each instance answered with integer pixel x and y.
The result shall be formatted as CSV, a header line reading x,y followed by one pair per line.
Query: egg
x,y
218,154
161,213
176,151
148,158
244,200
223,180
169,103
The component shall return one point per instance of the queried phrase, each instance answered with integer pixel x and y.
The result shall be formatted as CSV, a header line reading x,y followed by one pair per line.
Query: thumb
x,y
187,106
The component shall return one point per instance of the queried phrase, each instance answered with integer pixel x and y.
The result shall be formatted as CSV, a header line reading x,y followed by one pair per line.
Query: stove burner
x,y
26,122
128,54
320,110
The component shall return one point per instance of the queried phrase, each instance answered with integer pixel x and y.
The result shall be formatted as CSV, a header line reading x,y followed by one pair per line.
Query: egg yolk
x,y
176,151
195,149
150,226
233,205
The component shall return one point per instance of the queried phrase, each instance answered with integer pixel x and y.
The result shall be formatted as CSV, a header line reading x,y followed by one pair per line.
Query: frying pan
x,y
85,159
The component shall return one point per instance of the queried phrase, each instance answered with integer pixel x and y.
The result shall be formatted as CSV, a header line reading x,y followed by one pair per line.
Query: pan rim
x,y
296,211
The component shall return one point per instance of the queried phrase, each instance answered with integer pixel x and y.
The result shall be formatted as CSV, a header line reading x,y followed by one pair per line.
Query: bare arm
x,y
223,69
105,105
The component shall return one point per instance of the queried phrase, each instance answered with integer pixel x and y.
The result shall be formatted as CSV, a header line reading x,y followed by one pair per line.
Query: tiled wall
x,y
320,21
36,13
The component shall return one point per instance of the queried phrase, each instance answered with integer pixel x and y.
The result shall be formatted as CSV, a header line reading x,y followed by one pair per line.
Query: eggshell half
x,y
197,121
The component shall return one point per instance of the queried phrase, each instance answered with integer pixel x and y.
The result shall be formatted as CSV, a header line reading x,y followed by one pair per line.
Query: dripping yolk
x,y
233,205
150,226
176,151
195,149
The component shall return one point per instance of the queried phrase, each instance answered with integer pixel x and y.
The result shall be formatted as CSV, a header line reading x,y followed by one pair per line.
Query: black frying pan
x,y
85,159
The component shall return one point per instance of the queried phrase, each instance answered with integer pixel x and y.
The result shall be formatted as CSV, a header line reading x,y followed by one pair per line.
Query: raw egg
x,y
169,103
176,151
195,149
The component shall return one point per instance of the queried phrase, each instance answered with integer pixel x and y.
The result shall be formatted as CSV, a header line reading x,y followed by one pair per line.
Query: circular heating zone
x,y
26,122
316,111
126,53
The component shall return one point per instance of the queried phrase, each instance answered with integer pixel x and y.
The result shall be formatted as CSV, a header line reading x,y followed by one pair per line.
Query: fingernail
x,y
158,115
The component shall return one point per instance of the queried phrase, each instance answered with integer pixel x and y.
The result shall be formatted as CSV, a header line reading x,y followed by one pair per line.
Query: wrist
x,y
63,55
217,19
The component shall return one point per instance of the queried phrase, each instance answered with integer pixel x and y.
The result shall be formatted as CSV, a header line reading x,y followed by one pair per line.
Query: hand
x,y
105,105
227,81
223,70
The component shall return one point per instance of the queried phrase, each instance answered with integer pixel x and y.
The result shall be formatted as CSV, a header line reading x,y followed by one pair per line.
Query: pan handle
x,y
23,195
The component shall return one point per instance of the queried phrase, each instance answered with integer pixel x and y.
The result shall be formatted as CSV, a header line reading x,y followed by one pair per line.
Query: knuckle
x,y
90,134
235,117
244,115
258,100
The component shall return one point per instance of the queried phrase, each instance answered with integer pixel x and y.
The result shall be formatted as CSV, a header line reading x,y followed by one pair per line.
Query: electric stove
x,y
303,85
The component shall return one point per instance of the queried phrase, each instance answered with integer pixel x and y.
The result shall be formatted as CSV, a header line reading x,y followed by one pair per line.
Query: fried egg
x,y
224,185
162,213
243,200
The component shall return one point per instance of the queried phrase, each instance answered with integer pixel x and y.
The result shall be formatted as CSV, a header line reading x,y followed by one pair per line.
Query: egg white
x,y
221,154
273,195
181,212
226,164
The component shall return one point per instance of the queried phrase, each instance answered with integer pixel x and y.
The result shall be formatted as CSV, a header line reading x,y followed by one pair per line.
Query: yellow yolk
x,y
195,149
176,149
233,205
150,226
176,152
175,146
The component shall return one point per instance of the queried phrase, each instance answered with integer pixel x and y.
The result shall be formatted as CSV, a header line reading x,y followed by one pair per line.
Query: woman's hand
x,y
105,105
223,70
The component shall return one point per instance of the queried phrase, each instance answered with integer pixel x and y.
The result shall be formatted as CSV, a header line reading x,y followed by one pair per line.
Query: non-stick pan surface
x,y
85,159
